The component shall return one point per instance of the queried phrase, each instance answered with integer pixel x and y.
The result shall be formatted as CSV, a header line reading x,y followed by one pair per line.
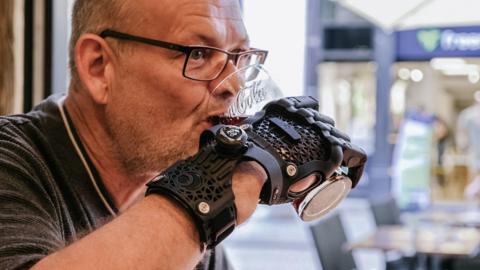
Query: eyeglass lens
x,y
208,63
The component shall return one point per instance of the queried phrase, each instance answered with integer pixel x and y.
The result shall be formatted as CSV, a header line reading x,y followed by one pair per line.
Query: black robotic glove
x,y
293,141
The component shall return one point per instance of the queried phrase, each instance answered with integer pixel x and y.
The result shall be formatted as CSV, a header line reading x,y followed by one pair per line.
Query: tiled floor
x,y
275,238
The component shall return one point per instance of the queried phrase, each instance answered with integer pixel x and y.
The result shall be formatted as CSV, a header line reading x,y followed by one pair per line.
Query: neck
x,y
124,187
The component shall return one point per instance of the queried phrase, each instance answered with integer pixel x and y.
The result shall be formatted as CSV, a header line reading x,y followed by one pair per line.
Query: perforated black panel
x,y
202,184
197,182
312,146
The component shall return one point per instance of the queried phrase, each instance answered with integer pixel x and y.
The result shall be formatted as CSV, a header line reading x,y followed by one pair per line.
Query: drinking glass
x,y
249,89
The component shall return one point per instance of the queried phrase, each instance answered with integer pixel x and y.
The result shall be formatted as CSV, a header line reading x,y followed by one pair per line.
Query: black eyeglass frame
x,y
184,49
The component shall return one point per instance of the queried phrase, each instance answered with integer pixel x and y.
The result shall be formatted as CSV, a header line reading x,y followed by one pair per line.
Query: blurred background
x,y
401,77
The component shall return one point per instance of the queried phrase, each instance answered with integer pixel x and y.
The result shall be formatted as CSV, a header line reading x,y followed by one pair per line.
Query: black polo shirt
x,y
50,193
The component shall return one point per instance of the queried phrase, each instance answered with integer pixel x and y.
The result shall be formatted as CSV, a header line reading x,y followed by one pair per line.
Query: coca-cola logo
x,y
249,96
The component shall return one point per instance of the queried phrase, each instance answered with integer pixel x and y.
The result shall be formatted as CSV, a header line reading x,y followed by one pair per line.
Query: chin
x,y
190,144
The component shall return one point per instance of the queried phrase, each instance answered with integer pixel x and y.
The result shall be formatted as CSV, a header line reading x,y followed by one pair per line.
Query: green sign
x,y
429,39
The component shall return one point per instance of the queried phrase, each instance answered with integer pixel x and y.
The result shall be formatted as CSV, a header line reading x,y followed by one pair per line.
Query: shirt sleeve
x,y
29,221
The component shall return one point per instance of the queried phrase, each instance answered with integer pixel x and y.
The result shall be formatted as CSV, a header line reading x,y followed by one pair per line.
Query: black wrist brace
x,y
202,184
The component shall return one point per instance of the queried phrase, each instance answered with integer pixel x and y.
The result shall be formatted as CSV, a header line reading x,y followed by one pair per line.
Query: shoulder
x,y
17,135
27,187
21,165
24,154
26,134
29,218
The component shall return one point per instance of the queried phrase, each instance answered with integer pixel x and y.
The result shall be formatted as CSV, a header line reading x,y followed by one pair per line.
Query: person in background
x,y
442,135
468,130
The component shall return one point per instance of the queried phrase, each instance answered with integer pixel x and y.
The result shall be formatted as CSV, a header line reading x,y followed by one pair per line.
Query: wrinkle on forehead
x,y
179,20
219,10
165,10
216,11
220,20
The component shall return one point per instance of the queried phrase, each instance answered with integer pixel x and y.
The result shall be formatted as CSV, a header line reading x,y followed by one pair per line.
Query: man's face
x,y
154,114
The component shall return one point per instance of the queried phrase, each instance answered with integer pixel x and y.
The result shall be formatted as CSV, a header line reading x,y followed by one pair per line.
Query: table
x,y
469,218
428,241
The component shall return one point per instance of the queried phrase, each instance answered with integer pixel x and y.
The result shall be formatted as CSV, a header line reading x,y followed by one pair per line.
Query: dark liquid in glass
x,y
237,120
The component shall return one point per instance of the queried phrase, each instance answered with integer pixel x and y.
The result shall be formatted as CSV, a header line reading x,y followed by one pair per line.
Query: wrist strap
x,y
202,185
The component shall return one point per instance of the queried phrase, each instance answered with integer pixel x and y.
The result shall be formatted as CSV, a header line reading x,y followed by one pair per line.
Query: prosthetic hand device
x,y
302,142
290,140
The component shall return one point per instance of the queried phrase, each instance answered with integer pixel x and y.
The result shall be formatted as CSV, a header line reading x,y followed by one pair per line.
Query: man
x,y
73,171
468,128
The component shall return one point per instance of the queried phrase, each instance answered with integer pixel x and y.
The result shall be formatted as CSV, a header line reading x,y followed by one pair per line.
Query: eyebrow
x,y
208,40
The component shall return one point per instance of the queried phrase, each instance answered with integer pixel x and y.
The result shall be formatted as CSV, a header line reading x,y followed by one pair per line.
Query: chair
x,y
218,259
385,211
329,237
463,264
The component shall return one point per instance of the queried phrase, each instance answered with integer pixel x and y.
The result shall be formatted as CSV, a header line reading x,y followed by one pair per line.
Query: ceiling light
x,y
463,71
474,77
447,63
404,73
416,75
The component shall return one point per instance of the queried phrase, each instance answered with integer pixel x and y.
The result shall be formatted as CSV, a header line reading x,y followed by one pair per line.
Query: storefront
x,y
347,68
436,75
431,72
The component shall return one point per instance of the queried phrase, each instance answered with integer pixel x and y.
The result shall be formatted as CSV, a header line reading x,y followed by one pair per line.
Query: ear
x,y
93,58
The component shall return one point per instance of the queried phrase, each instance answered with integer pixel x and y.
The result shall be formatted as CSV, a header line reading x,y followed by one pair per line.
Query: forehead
x,y
192,20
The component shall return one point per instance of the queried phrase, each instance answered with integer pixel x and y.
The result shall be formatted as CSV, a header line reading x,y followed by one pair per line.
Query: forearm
x,y
154,234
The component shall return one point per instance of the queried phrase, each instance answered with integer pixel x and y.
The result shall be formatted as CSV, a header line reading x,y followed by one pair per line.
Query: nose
x,y
228,83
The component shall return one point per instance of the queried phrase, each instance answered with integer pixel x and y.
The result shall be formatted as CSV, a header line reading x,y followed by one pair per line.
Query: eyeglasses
x,y
202,63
